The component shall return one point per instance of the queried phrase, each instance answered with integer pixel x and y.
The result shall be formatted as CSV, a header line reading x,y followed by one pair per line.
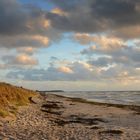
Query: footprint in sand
x,y
110,135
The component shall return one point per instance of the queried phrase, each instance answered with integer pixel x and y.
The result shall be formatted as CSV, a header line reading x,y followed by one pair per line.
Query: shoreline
x,y
113,97
82,100
56,117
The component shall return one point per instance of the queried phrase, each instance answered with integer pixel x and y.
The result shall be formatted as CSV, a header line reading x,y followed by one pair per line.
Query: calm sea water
x,y
116,97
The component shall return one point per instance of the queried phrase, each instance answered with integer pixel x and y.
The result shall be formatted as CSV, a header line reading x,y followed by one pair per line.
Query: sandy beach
x,y
53,117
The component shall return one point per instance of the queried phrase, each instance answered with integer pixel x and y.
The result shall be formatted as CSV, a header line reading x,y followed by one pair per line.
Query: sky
x,y
70,44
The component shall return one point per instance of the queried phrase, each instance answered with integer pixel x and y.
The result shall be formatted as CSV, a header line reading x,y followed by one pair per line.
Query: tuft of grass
x,y
3,113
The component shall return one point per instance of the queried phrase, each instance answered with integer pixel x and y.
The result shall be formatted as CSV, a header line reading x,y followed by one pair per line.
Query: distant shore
x,y
55,117
44,91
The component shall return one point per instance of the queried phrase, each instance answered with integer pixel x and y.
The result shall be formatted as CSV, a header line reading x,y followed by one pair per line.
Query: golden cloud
x,y
28,50
42,39
129,31
104,42
26,60
65,69
59,11
47,23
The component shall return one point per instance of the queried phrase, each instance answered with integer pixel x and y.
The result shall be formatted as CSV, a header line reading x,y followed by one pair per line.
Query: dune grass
x,y
11,97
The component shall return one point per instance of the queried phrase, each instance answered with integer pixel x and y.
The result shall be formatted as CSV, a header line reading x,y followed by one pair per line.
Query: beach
x,y
54,117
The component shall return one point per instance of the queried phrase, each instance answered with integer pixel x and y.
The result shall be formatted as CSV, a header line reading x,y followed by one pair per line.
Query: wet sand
x,y
53,117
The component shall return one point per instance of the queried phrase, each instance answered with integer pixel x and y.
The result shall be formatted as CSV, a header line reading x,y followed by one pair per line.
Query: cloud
x,y
59,12
17,18
25,60
28,21
128,32
37,41
98,16
81,71
26,50
3,66
102,41
12,15
37,27
107,52
128,56
24,25
110,28
73,72
65,69
19,60
101,62
83,38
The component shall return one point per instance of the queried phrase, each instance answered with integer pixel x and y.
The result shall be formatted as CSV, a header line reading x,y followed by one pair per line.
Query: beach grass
x,y
11,97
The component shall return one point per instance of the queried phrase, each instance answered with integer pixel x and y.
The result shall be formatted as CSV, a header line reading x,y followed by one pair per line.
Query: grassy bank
x,y
11,97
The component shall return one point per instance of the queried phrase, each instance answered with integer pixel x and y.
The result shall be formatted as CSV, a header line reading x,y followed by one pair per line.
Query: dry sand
x,y
52,117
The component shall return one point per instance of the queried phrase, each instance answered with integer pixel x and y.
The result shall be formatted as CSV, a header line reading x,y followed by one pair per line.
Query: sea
x,y
113,97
